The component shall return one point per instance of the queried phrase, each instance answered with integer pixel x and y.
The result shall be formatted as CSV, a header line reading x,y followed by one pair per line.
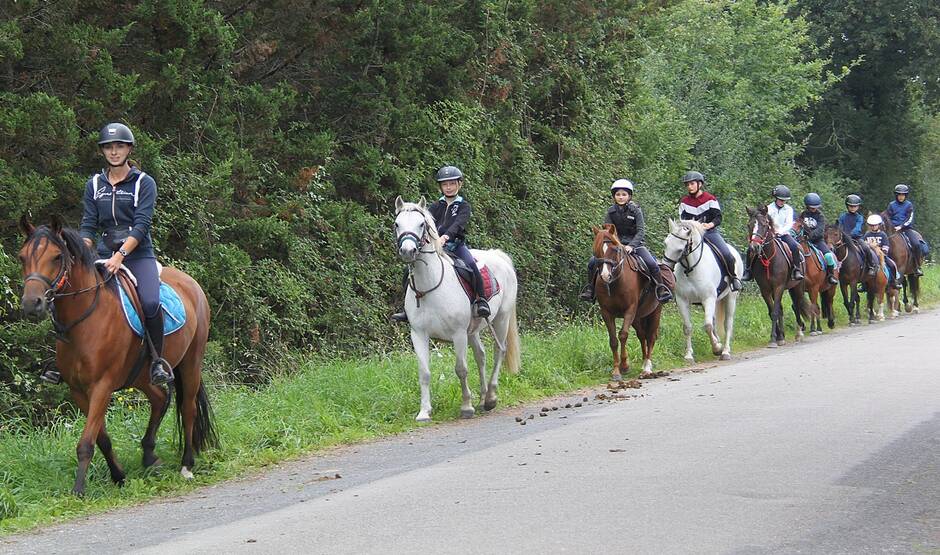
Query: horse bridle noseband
x,y
57,284
686,252
420,242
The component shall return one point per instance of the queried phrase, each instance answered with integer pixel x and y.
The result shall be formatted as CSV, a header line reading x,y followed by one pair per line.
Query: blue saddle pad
x,y
174,313
819,255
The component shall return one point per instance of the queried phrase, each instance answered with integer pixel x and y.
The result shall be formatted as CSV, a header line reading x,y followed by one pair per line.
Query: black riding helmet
x,y
853,200
115,133
902,189
693,176
448,173
781,192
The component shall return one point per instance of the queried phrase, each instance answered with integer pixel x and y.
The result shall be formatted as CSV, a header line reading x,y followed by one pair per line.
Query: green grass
x,y
323,403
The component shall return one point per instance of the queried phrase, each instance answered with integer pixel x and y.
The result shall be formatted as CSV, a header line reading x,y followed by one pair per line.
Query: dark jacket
x,y
813,225
703,209
452,220
631,227
851,224
878,238
128,205
901,213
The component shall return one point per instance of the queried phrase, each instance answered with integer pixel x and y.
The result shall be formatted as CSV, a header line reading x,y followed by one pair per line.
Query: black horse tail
x,y
204,434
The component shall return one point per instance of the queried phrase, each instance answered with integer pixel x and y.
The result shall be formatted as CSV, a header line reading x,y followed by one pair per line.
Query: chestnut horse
x,y
623,292
816,286
900,251
96,349
770,268
851,270
878,289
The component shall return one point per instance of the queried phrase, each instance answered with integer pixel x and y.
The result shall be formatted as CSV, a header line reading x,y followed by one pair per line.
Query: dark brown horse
x,y
769,261
900,251
96,349
623,292
851,270
816,286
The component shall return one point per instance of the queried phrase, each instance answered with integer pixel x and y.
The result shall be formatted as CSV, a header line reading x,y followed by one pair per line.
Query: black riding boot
x,y
797,273
159,369
663,294
401,316
51,376
746,276
587,294
872,260
481,309
830,275
735,282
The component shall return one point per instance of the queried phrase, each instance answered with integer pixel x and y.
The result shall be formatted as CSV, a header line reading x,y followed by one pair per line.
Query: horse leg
x,y
915,292
906,282
479,356
847,298
97,404
501,326
709,306
726,312
159,401
611,322
796,303
649,327
421,345
628,318
778,313
686,312
460,353
103,440
772,313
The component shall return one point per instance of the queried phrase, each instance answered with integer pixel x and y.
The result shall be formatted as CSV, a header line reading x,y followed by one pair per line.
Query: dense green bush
x,y
280,135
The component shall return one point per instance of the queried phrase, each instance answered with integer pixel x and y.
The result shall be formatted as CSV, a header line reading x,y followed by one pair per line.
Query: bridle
x,y
617,265
420,242
682,260
59,283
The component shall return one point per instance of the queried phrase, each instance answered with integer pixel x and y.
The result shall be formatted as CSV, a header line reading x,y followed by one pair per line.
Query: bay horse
x,y
96,349
697,283
851,270
770,268
900,251
881,291
820,292
437,307
623,292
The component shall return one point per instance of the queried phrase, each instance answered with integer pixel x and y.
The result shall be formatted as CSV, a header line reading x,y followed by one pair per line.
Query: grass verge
x,y
323,403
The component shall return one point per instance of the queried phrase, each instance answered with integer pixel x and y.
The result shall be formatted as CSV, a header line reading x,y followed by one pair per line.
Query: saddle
x,y
490,285
722,267
170,302
637,265
817,254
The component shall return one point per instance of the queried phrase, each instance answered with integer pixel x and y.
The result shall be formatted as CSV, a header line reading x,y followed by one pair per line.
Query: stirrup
x,y
481,309
663,294
736,284
158,373
50,376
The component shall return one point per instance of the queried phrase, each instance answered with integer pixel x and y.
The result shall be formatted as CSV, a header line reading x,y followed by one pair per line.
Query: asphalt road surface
x,y
832,446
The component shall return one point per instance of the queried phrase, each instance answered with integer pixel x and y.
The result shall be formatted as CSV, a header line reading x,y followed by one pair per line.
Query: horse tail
x,y
204,434
513,357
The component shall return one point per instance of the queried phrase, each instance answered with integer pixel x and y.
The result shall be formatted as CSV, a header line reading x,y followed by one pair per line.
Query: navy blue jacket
x,y
452,220
901,213
628,219
879,238
851,224
128,204
813,225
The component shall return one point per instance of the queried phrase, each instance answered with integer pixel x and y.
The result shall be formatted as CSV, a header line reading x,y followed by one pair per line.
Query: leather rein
x,y
420,242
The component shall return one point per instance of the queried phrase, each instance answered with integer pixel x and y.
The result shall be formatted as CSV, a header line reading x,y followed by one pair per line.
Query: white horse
x,y
437,307
697,277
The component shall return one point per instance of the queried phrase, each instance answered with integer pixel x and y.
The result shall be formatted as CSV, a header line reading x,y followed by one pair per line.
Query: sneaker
x,y
663,294
158,373
918,271
51,376
400,317
736,284
481,308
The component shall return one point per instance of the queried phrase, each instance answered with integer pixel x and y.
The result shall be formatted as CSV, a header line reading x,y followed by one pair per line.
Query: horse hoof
x,y
78,492
466,413
422,418
155,461
725,356
186,473
772,345
717,351
646,374
616,378
489,404
781,343
118,480
908,308
915,310
689,360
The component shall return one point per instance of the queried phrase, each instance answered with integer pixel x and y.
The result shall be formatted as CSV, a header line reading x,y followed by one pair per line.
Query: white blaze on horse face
x,y
605,270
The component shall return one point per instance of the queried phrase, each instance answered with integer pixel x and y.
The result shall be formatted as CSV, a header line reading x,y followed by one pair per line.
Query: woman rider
x,y
703,207
119,204
781,217
627,217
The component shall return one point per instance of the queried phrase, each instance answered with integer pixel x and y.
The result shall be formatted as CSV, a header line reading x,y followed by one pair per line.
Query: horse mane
x,y
693,225
68,240
430,224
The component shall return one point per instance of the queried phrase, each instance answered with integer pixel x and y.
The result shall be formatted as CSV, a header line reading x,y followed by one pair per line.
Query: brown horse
x,y
901,252
879,288
769,260
817,287
96,350
851,270
623,292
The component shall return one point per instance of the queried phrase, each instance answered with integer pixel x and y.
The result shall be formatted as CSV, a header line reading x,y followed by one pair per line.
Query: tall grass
x,y
323,403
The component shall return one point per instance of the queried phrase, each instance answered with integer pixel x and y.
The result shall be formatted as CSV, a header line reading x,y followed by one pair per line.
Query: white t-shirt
x,y
781,217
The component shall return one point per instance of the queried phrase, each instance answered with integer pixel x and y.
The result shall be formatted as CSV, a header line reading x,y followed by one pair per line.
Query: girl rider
x,y
452,214
813,224
901,214
781,215
119,204
852,223
703,207
627,217
879,238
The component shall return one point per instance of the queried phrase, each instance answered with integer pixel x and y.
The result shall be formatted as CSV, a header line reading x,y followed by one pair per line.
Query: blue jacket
x,y
901,213
851,224
128,204
452,220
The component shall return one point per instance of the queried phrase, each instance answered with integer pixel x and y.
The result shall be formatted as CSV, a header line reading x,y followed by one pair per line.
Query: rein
x,y
420,242
683,258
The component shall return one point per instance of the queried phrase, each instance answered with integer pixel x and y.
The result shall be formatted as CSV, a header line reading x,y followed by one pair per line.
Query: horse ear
x,y
750,211
398,204
611,228
26,226
595,230
672,225
422,204
56,223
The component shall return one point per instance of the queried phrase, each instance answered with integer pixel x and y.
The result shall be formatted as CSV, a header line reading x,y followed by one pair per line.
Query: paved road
x,y
825,447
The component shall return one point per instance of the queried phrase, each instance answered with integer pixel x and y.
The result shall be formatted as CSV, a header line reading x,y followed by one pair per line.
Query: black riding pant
x,y
715,238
